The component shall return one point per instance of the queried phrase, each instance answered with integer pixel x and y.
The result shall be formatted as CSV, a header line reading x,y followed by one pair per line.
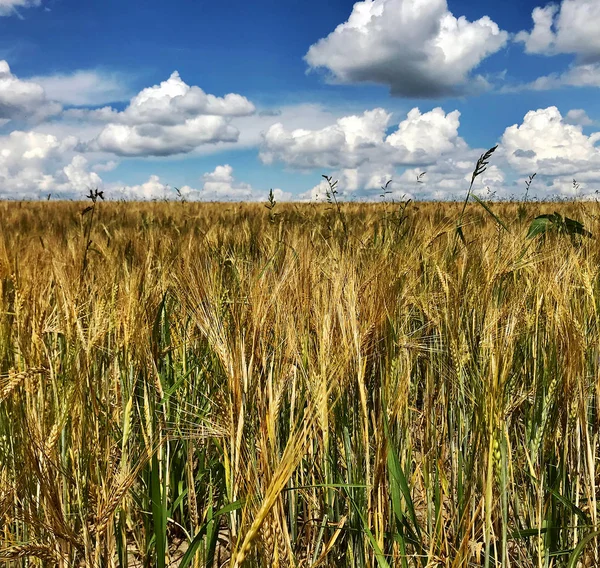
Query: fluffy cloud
x,y
352,182
173,101
218,185
541,36
347,142
578,117
106,166
157,140
88,123
356,140
79,176
167,119
428,141
23,99
34,164
416,47
307,116
424,137
571,27
153,189
318,194
582,76
278,194
9,7
83,87
449,179
221,185
547,144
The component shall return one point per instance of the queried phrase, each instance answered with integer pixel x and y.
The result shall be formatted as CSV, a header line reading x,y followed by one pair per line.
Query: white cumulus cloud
x,y
557,150
218,185
152,189
34,164
347,142
415,47
578,116
450,179
79,175
353,141
173,101
423,137
157,140
167,119
571,27
221,185
21,99
545,142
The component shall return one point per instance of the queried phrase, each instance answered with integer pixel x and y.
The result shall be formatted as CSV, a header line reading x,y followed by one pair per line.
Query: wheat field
x,y
187,384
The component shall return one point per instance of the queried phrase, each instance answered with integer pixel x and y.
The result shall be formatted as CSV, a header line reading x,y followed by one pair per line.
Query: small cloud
x,y
106,166
524,153
220,185
154,188
281,195
578,117
270,112
9,7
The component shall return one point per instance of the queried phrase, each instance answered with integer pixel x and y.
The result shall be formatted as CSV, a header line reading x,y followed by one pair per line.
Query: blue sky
x,y
228,99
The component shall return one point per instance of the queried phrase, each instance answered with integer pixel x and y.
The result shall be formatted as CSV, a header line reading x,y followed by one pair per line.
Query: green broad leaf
x,y
555,222
539,226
